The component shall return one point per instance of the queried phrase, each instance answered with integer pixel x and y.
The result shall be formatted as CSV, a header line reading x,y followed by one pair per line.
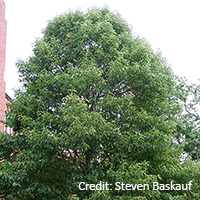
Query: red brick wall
x,y
3,28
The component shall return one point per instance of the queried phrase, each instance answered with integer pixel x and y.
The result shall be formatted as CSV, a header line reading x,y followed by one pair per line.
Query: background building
x,y
4,98
3,28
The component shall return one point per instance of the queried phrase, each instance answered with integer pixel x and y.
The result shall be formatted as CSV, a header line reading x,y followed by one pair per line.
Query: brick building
x,y
3,96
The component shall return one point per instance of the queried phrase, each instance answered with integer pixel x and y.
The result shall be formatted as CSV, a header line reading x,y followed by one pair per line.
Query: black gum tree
x,y
96,105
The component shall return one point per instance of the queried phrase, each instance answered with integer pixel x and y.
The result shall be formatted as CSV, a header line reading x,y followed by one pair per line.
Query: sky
x,y
169,25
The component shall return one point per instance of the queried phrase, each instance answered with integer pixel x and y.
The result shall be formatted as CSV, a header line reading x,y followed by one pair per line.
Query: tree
x,y
189,98
97,104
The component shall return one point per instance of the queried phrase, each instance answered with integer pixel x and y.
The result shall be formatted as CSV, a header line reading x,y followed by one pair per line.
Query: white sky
x,y
170,25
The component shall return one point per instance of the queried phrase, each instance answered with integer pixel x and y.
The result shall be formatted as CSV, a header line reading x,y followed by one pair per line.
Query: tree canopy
x,y
97,104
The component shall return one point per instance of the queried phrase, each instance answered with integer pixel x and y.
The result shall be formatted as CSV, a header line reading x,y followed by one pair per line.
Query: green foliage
x,y
97,104
189,97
